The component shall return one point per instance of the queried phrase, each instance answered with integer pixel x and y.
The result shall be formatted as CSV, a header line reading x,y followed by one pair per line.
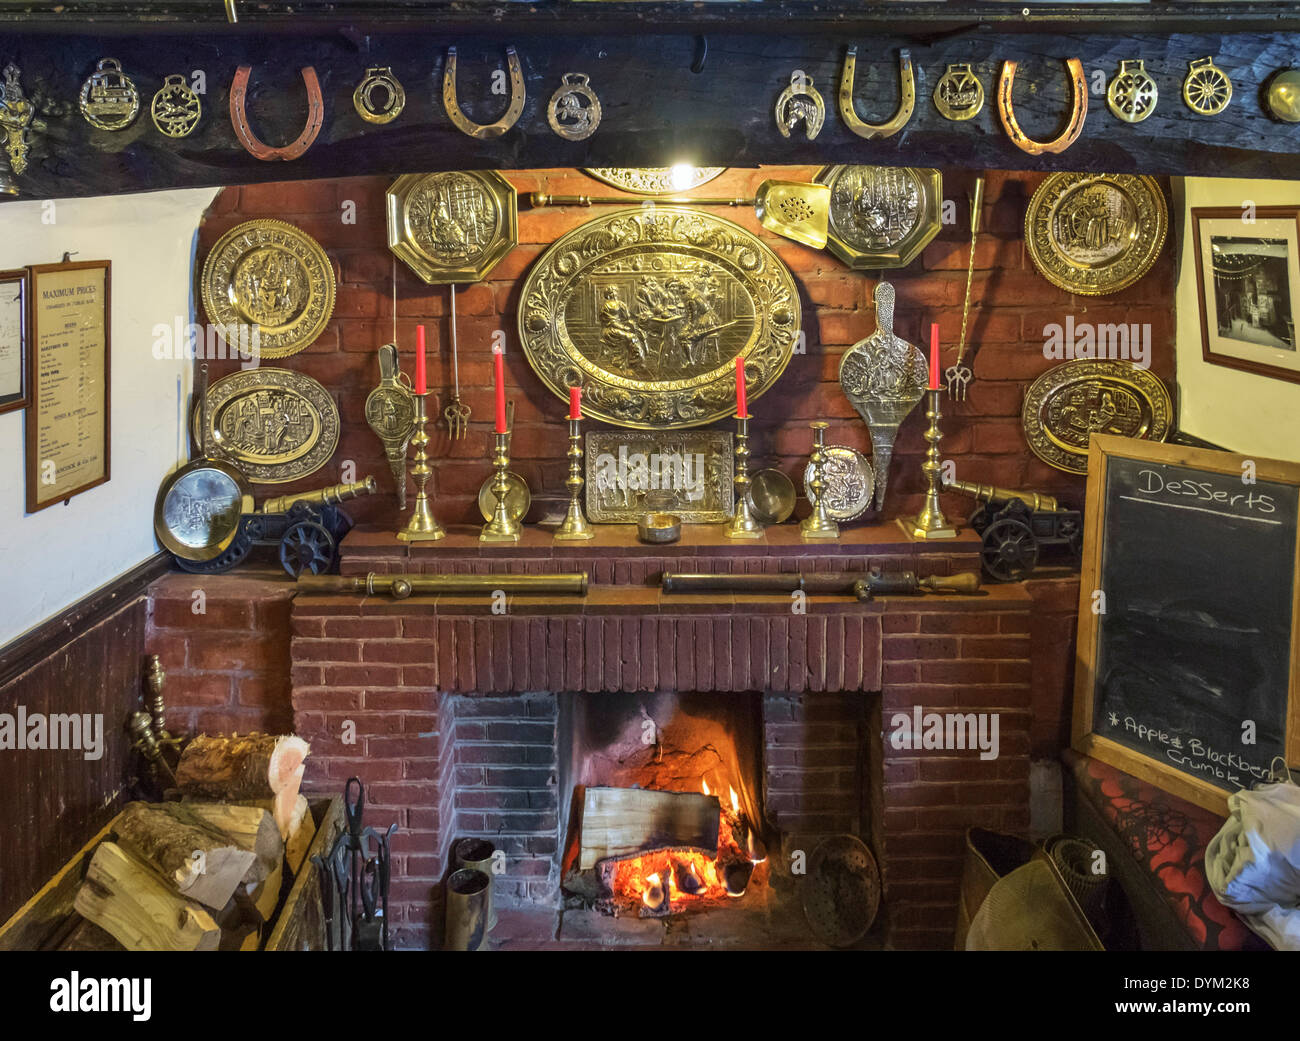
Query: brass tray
x,y
1094,234
1070,402
454,226
632,473
647,310
881,216
275,425
198,509
655,180
273,277
518,497
850,483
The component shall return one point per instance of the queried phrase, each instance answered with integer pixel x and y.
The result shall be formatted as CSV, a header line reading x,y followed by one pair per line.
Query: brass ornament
x,y
848,483
648,309
574,109
687,473
454,226
800,102
881,217
518,497
884,378
1284,95
379,78
906,102
484,131
390,411
274,424
1073,126
655,180
1132,94
1095,234
959,95
271,276
795,210
109,100
1207,88
1070,402
176,108
17,114
771,497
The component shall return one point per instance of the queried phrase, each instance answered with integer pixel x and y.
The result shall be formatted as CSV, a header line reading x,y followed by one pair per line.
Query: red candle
x,y
499,365
420,385
575,402
934,355
742,407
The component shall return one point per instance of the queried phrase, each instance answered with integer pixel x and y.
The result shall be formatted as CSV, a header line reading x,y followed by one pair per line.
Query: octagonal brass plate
x,y
1094,234
272,278
454,226
647,310
655,180
882,216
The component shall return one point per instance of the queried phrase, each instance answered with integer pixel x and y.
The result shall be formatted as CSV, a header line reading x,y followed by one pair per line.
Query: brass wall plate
x,y
631,473
273,424
882,217
454,226
850,483
1094,234
647,310
196,515
272,277
518,497
655,180
1069,403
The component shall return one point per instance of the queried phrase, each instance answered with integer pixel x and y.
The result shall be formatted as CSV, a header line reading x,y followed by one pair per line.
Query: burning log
x,y
621,822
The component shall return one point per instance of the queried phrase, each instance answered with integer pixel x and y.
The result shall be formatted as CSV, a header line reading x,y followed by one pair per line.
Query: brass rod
x,y
539,199
401,586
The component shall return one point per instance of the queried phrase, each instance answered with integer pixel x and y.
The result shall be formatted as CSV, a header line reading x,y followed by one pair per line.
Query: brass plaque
x,y
881,216
689,474
275,425
1094,234
655,180
647,310
1069,403
270,276
454,226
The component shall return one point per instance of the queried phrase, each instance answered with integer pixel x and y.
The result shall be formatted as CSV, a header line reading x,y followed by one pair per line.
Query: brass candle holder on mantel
x,y
575,527
818,524
422,527
502,527
742,524
930,523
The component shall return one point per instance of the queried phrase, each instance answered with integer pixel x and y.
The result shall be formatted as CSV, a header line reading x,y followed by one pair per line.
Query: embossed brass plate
x,y
882,217
275,425
196,515
850,483
647,310
518,498
1070,402
269,275
454,226
688,474
655,180
1094,234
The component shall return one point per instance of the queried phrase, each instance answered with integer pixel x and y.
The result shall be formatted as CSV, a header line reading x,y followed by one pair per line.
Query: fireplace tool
x,y
457,412
958,376
354,880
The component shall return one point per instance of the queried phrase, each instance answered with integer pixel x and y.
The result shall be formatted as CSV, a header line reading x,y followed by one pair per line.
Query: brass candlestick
x,y
742,524
818,524
502,527
575,527
422,527
930,523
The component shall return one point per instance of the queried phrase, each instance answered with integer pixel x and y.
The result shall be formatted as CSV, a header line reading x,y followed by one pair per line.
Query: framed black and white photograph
x,y
1248,286
13,340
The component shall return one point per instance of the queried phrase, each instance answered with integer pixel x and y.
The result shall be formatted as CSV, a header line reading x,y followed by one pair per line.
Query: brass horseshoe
x,y
250,141
907,98
479,130
1078,113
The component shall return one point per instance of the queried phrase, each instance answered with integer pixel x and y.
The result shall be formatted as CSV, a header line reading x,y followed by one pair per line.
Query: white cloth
x,y
1253,863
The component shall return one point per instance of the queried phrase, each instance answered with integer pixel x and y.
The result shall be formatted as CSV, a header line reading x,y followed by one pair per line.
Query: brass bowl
x,y
659,527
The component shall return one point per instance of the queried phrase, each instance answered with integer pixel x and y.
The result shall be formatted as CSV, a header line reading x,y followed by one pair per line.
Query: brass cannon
x,y
1016,526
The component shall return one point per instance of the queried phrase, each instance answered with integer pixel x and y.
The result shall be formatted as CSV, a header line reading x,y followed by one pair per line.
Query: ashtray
x,y
659,527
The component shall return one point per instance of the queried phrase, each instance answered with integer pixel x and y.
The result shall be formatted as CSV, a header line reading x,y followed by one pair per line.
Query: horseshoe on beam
x,y
1073,128
907,98
251,142
479,130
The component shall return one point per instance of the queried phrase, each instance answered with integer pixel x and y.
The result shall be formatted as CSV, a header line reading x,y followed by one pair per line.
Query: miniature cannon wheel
x,y
307,547
1010,550
228,558
1070,528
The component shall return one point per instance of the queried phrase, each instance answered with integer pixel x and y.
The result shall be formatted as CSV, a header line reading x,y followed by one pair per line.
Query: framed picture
x,y
13,340
1248,285
67,425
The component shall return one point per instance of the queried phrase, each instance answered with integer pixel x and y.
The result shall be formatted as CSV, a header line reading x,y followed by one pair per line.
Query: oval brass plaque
x,y
268,276
1095,234
275,425
655,180
1070,402
647,310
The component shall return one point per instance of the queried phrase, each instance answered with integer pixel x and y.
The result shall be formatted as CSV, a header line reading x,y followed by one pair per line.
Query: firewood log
x,y
302,829
252,766
199,863
249,827
134,906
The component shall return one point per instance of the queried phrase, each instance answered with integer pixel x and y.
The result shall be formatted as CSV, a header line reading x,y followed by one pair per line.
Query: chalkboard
x,y
1189,617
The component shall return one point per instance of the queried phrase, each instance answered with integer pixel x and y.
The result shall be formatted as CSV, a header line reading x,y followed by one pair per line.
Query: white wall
x,y
1243,412
53,558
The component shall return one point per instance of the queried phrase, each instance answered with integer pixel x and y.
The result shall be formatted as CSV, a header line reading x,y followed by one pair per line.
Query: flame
x,y
735,800
704,786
